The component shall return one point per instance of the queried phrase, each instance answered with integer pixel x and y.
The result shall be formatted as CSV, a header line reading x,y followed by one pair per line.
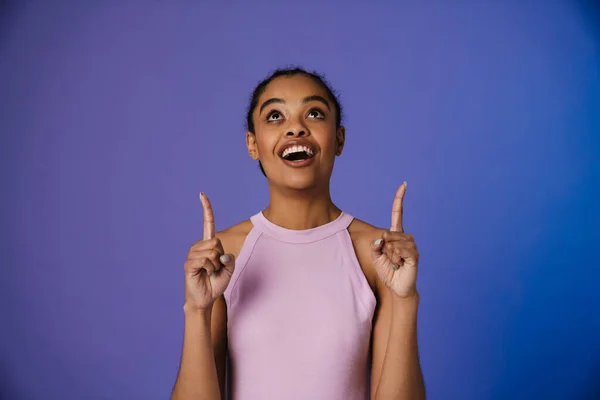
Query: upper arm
x,y
382,317
218,328
381,332
219,339
232,240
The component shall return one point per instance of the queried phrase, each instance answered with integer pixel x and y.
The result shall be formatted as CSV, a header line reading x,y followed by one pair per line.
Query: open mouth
x,y
297,153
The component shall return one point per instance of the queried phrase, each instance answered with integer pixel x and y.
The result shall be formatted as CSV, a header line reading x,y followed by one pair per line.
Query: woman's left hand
x,y
395,254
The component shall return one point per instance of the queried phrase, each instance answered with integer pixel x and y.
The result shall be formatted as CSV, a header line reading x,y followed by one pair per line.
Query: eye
x,y
316,113
274,116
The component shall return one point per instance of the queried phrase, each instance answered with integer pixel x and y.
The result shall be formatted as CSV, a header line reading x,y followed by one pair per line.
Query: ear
x,y
340,139
251,145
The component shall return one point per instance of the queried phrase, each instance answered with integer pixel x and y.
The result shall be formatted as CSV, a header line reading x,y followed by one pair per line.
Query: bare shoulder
x,y
361,230
233,237
362,234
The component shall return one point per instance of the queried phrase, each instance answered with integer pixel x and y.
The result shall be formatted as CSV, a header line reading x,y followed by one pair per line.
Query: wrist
x,y
191,311
412,299
197,324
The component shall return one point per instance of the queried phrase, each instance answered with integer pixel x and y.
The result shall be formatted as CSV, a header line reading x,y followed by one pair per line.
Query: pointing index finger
x,y
209,218
397,210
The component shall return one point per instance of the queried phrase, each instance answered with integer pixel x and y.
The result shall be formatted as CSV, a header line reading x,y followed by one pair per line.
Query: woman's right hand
x,y
208,269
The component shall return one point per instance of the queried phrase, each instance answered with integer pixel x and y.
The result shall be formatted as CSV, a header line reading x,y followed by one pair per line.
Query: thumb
x,y
228,261
376,248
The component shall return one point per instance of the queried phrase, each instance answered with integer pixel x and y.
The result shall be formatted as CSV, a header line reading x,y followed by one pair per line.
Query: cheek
x,y
266,142
327,143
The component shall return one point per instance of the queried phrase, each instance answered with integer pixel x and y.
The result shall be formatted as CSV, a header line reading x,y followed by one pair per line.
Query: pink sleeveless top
x,y
299,314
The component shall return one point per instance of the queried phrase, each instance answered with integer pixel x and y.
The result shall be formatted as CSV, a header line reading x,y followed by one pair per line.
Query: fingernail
x,y
394,267
378,242
225,258
405,184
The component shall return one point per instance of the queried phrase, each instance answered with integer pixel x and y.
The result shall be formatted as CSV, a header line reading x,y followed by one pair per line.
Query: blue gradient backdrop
x,y
113,117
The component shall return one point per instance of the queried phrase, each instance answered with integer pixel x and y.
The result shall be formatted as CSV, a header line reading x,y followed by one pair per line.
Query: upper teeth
x,y
297,149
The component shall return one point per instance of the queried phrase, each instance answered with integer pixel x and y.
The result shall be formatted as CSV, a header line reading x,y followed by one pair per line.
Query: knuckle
x,y
191,254
213,254
208,267
197,263
191,265
410,245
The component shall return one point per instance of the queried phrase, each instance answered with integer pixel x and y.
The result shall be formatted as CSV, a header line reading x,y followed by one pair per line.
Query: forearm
x,y
197,377
401,376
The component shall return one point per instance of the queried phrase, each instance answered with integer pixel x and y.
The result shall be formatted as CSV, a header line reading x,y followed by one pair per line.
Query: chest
x,y
301,294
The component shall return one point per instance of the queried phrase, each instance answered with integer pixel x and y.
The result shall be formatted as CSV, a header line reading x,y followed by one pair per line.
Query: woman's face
x,y
295,139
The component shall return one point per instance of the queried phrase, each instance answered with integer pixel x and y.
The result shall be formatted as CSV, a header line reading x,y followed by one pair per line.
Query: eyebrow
x,y
307,99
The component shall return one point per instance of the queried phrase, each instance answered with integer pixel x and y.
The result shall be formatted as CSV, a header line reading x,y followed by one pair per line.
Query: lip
x,y
299,163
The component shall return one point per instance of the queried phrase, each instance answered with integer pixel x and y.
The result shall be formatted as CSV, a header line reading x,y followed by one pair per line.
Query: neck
x,y
301,209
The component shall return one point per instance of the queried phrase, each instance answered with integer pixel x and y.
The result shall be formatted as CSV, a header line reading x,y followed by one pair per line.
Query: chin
x,y
299,182
306,178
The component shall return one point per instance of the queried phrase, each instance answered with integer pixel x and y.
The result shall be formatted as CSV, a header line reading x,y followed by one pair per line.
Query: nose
x,y
296,128
296,132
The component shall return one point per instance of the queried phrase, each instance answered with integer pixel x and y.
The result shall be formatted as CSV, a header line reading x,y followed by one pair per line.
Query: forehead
x,y
293,87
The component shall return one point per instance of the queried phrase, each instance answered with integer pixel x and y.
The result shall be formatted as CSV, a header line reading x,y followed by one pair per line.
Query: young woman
x,y
302,300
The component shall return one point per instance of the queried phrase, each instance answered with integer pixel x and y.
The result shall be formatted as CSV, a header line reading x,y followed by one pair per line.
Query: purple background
x,y
113,118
